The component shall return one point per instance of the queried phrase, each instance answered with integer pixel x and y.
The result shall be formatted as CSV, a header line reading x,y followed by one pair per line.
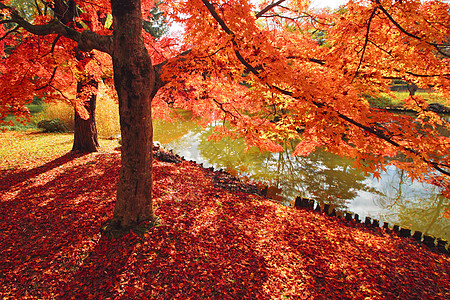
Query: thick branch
x,y
378,133
87,40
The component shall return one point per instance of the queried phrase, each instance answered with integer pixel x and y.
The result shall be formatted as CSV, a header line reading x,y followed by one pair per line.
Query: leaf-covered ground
x,y
210,243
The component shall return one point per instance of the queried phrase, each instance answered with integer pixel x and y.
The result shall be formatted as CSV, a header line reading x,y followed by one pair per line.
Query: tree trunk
x,y
412,88
134,80
85,131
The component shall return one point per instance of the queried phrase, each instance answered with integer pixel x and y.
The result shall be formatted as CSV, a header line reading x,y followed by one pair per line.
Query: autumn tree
x,y
259,70
56,70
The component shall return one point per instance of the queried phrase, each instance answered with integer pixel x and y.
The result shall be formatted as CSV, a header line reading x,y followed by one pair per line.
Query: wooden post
x,y
429,241
441,246
417,236
333,213
348,216
396,228
404,232
318,207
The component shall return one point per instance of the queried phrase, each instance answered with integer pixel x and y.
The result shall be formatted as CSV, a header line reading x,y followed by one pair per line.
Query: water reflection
x,y
321,176
414,205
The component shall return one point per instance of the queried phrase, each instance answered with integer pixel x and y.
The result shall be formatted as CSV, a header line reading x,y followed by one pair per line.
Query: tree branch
x,y
49,81
435,45
375,131
268,7
219,20
365,42
87,40
9,32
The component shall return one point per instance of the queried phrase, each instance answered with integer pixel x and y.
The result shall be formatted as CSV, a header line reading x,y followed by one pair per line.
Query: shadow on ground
x,y
210,243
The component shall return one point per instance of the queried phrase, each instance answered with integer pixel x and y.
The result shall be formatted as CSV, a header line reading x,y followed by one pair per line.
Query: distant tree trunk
x,y
134,79
412,88
85,131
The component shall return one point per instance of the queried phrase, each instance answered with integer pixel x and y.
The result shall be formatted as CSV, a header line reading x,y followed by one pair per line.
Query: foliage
x,y
157,25
381,101
54,125
396,99
35,108
210,243
107,113
318,89
257,67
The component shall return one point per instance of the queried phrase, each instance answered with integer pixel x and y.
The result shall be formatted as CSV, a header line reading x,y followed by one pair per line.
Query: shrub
x,y
35,108
106,118
62,111
55,125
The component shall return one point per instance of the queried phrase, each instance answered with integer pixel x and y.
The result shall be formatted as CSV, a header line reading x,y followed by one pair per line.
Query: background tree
x,y
53,75
84,71
269,84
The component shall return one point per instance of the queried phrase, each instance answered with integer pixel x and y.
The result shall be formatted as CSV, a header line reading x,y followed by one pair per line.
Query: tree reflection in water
x,y
413,205
321,176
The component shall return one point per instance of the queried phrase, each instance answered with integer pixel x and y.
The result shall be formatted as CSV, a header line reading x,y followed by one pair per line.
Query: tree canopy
x,y
261,69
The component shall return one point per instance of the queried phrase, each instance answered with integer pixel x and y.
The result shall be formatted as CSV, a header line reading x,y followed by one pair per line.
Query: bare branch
x,y
221,106
304,15
49,82
268,7
365,42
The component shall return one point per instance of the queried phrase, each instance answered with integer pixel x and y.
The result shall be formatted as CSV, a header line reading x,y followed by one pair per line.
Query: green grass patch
x,y
32,147
396,99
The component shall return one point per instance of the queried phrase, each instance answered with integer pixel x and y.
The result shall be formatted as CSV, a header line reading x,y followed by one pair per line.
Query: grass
x,y
209,244
396,99
32,147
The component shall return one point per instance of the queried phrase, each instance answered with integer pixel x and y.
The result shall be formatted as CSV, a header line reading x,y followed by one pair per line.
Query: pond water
x,y
321,176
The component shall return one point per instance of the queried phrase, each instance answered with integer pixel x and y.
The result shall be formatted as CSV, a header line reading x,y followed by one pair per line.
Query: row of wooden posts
x,y
430,241
305,203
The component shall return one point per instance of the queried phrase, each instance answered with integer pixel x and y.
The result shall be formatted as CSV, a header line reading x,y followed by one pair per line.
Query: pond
x,y
322,176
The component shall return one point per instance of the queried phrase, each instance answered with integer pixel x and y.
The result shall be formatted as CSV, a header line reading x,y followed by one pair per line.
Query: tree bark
x,y
134,80
85,131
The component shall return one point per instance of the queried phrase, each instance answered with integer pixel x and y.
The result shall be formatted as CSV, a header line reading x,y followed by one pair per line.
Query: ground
x,y
210,242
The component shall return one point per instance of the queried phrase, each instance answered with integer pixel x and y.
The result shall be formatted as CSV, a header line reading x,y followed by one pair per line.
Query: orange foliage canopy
x,y
290,86
260,67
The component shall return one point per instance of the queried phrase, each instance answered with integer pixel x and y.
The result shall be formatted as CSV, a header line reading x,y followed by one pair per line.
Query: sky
x,y
327,3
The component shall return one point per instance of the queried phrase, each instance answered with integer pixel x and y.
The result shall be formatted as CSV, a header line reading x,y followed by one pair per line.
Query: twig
x,y
50,80
268,7
365,43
